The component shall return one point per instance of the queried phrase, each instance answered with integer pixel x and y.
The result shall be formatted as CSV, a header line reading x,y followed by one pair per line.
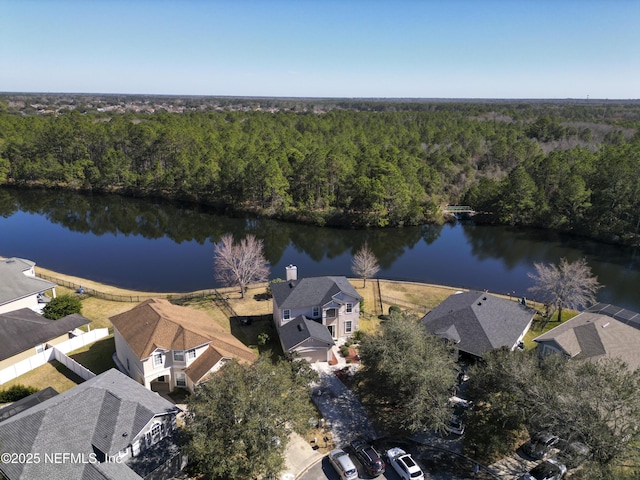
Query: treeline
x,y
567,167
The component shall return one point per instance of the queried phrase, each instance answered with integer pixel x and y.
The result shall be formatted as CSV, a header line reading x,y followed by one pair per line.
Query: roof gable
x,y
300,329
312,291
14,284
23,329
481,321
102,414
593,336
157,324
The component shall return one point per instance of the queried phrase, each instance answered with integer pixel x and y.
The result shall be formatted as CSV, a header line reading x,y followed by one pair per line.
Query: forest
x,y
567,166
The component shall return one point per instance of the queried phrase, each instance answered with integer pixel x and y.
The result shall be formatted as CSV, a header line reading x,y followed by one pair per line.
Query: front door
x,y
331,330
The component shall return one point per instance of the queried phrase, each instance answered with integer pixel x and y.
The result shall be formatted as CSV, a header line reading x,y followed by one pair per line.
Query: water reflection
x,y
165,246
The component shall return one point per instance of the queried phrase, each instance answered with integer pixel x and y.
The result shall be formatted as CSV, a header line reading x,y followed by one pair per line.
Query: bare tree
x,y
365,264
240,264
567,285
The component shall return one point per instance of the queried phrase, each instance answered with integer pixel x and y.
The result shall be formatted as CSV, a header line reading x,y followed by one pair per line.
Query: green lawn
x,y
97,356
536,328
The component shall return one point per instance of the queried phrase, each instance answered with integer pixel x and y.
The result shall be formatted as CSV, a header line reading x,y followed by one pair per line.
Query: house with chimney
x,y
312,314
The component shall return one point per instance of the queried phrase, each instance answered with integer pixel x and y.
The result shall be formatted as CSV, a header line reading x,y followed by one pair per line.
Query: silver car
x,y
342,464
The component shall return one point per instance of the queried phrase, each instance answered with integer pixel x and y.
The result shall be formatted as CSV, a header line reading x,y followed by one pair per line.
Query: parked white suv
x,y
404,464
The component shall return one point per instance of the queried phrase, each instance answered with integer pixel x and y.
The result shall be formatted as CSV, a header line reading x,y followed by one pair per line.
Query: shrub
x,y
344,351
61,307
15,393
263,338
357,336
394,308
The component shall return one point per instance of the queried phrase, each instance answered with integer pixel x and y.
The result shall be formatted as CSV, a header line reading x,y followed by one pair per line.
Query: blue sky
x,y
330,48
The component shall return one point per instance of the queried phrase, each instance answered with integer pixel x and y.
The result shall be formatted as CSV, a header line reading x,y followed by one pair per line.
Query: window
x,y
286,314
156,434
157,359
331,313
178,355
181,379
191,354
349,307
347,326
315,312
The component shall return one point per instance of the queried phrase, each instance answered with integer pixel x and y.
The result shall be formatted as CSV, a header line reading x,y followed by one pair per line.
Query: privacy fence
x,y
56,352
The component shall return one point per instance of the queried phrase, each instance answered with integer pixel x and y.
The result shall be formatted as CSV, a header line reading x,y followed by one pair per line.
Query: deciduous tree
x,y
566,285
365,264
238,423
240,264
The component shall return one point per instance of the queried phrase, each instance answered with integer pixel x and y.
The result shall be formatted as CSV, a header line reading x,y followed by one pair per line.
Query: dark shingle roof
x,y
23,329
102,414
14,284
296,331
311,291
479,320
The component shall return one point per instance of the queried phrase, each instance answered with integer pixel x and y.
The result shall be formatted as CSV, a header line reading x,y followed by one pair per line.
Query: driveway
x,y
342,410
512,467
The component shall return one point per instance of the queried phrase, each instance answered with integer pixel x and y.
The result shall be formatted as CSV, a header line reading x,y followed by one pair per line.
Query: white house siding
x,y
26,302
124,353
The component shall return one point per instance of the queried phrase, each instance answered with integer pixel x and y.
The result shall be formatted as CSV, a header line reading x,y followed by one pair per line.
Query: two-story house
x,y
164,346
107,428
310,314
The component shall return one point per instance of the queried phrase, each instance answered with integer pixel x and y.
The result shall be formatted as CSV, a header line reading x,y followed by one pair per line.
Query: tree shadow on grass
x,y
77,379
257,331
99,357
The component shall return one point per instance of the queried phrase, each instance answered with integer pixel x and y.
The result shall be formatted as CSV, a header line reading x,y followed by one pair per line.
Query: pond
x,y
153,245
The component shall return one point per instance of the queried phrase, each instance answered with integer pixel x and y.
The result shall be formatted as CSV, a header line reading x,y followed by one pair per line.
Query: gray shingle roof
x,y
14,284
23,329
103,414
594,336
311,291
296,331
27,402
481,321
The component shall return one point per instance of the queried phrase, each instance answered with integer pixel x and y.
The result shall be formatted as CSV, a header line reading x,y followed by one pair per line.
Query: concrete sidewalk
x,y
299,457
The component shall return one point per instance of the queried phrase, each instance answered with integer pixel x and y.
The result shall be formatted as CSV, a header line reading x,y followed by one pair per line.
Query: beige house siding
x,y
338,322
7,362
145,369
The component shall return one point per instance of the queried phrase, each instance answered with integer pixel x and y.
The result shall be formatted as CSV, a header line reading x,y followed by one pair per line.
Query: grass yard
x,y
97,357
255,305
536,328
52,374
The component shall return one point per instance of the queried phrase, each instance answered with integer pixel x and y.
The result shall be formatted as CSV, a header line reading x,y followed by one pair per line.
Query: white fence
x,y
56,352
